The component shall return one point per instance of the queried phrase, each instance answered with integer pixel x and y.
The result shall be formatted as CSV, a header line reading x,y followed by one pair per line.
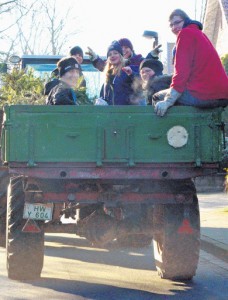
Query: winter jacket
x,y
197,66
135,60
118,90
61,94
187,22
154,85
49,86
157,84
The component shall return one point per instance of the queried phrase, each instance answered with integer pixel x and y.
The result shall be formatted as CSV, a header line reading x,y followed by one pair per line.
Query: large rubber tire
x,y
25,251
176,240
3,230
4,181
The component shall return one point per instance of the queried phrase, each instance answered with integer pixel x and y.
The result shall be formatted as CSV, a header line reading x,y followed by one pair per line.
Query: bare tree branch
x,y
55,27
7,3
45,31
8,8
23,12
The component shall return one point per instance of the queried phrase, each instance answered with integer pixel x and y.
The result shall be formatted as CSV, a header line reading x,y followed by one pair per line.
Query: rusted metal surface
x,y
117,198
115,172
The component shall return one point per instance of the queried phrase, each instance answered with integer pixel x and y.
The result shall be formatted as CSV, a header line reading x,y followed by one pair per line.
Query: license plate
x,y
38,211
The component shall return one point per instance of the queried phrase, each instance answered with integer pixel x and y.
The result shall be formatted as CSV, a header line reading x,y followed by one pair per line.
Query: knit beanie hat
x,y
76,50
126,42
115,46
66,64
153,64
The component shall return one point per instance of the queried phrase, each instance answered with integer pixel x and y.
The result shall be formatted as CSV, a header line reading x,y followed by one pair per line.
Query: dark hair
x,y
76,50
180,13
126,42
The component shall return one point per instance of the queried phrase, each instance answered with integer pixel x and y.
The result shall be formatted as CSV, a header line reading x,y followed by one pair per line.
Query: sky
x,y
99,22
103,21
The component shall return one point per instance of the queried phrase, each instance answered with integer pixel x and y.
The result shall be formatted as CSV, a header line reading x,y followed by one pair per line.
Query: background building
x,y
216,24
169,64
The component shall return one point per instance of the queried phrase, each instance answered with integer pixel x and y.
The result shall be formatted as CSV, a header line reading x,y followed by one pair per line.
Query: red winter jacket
x,y
197,66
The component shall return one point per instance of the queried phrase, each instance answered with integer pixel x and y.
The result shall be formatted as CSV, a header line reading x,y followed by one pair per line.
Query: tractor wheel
x,y
3,230
4,181
25,251
176,240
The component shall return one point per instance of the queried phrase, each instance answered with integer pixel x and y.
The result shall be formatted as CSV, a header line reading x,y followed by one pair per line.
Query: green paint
x,y
120,134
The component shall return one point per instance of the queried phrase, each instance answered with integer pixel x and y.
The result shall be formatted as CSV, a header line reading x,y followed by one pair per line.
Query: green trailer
x,y
122,173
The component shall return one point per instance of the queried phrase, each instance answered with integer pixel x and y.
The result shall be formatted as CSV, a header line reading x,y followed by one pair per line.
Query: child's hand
x,y
127,70
92,55
156,51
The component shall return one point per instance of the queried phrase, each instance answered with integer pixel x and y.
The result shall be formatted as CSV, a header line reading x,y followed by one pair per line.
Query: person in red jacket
x,y
199,77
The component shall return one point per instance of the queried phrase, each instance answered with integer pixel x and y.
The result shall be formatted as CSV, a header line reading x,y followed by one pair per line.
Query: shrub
x,y
19,87
80,90
224,60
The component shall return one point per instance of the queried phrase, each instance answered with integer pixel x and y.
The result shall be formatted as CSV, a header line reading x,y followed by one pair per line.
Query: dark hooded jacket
x,y
61,94
50,85
156,84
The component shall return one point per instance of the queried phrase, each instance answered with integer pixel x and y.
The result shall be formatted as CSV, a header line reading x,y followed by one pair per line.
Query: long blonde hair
x,y
113,70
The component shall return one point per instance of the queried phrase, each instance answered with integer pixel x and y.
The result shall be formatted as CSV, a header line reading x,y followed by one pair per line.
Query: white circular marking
x,y
177,136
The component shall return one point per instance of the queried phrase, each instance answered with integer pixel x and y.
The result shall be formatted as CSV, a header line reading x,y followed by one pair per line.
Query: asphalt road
x,y
73,269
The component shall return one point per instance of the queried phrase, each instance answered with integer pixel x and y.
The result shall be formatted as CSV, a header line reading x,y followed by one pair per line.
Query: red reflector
x,y
185,227
31,226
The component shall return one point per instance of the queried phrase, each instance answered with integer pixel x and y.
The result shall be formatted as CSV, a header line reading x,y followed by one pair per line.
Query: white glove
x,y
92,55
155,52
169,100
100,101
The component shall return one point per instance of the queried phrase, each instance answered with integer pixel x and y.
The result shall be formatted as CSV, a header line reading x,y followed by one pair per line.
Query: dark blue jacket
x,y
119,88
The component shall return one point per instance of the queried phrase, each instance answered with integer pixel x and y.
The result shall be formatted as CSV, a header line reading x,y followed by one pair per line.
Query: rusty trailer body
x,y
105,165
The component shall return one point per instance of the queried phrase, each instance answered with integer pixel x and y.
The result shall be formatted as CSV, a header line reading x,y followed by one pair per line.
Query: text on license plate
x,y
38,211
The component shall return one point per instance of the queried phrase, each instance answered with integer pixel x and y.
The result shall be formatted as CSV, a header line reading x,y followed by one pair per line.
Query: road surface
x,y
75,270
